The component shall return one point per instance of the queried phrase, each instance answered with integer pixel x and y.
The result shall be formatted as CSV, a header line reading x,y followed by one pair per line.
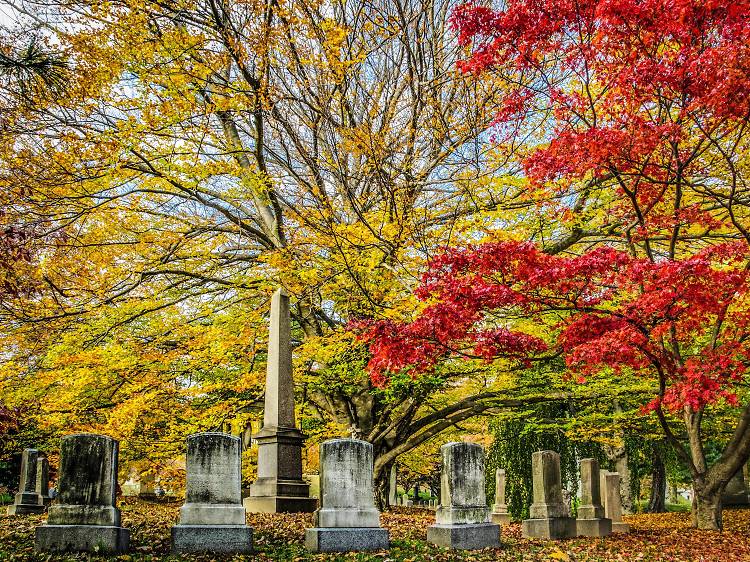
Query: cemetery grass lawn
x,y
660,537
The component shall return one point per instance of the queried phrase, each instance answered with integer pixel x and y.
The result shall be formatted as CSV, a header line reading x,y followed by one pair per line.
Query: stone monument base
x,y
553,528
593,527
500,518
471,536
82,538
224,539
25,509
620,527
279,504
346,539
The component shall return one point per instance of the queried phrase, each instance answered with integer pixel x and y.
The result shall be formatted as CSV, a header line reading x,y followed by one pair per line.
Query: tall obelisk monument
x,y
279,487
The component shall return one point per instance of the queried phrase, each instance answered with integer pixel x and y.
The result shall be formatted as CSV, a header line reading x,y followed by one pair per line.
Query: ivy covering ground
x,y
666,537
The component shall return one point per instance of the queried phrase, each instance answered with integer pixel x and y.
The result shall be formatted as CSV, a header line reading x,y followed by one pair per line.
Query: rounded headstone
x,y
87,481
88,470
462,495
346,479
346,491
213,469
462,479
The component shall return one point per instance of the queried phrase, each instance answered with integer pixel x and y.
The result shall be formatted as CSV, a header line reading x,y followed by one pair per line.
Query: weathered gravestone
x,y
500,513
28,499
591,521
314,481
85,517
347,519
279,486
42,480
613,502
463,519
213,519
736,494
549,516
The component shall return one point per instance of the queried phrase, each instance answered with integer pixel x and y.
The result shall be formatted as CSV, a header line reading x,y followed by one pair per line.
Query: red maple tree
x,y
643,105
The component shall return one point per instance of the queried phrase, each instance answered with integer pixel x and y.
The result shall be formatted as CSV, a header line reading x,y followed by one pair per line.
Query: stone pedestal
x,y
279,487
28,499
591,521
549,517
463,519
85,517
213,519
736,494
347,519
500,513
613,502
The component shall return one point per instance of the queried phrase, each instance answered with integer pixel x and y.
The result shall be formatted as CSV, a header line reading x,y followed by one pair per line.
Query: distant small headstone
x,y
613,502
42,479
549,517
736,493
213,518
591,521
500,513
314,480
85,517
347,519
28,499
463,519
147,488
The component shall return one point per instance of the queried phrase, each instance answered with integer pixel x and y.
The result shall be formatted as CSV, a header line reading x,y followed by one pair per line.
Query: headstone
x,y
147,486
314,481
549,517
213,519
42,480
500,513
29,499
603,488
463,519
131,486
735,494
392,485
347,519
591,521
613,502
85,517
279,486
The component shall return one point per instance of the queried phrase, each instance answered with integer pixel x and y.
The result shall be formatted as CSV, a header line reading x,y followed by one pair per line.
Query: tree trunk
x,y
707,509
621,467
380,483
674,496
657,500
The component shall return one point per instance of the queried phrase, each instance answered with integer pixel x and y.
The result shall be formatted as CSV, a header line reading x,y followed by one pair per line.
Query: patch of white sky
x,y
8,15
